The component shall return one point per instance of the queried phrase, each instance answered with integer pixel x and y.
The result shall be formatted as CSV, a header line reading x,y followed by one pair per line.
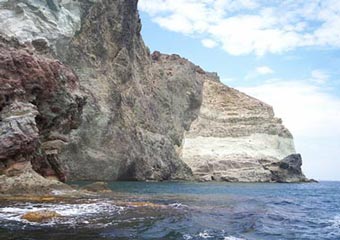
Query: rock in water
x,y
288,169
97,187
24,180
40,216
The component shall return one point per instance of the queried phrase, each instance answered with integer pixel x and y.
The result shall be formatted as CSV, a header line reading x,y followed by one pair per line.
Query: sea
x,y
185,210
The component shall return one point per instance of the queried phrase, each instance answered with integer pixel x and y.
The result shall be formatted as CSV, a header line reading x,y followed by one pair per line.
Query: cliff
x,y
237,138
136,114
58,54
40,104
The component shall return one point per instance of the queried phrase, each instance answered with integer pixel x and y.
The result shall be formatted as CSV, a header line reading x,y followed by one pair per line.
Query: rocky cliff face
x,y
56,53
137,111
39,105
237,138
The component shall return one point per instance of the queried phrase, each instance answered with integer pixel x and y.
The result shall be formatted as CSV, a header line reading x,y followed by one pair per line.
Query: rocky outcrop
x,y
21,179
288,170
136,114
97,187
140,107
44,23
39,105
237,138
137,111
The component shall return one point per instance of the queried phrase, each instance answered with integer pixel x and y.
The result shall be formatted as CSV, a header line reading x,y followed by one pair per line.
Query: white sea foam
x,y
233,238
204,235
336,221
334,228
177,205
71,213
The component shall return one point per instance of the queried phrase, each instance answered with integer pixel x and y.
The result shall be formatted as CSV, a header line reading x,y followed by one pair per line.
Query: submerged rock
x,y
40,216
97,187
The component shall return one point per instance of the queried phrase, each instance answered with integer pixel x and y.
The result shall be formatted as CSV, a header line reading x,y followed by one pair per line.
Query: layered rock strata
x,y
237,138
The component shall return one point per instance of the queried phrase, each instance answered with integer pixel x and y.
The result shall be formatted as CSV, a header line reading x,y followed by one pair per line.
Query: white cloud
x,y
259,71
264,70
208,43
306,109
319,76
251,26
313,116
176,23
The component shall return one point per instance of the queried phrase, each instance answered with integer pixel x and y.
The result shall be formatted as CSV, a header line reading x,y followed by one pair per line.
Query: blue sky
x,y
286,53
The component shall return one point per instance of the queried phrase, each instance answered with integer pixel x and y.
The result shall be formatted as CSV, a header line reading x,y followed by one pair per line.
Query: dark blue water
x,y
177,210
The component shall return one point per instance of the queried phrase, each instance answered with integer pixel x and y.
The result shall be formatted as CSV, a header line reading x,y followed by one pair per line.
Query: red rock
x,y
38,98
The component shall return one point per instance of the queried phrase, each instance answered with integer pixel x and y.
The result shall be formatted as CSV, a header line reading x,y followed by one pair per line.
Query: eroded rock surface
x,y
43,22
39,105
236,137
137,111
139,106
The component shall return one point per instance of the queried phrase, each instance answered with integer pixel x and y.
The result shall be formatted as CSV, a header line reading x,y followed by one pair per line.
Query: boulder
x,y
40,216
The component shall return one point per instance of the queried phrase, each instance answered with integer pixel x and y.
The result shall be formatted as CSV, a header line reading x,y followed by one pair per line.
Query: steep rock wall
x,y
138,105
136,114
39,105
236,138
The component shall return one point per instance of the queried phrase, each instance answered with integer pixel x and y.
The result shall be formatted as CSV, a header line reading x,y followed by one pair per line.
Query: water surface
x,y
186,210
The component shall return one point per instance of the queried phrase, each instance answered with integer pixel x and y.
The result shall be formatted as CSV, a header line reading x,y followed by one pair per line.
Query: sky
x,y
283,52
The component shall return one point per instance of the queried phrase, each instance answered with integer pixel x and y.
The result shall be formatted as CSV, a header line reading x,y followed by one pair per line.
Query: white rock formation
x,y
51,20
235,138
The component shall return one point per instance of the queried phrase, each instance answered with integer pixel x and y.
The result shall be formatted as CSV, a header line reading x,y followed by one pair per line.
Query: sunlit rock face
x,y
236,138
144,118
51,22
137,112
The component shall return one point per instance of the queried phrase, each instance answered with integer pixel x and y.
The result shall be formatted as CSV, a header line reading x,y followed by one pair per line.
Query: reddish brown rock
x,y
40,216
39,106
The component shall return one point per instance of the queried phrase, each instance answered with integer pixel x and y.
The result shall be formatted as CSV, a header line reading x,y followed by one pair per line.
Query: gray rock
x,y
97,187
292,163
137,110
148,117
288,170
56,21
